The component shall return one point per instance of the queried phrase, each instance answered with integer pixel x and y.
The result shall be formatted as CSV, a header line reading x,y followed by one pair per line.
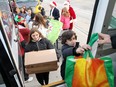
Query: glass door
x,y
1,81
9,69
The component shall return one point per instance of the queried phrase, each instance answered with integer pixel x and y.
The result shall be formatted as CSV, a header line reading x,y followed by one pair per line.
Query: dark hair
x,y
33,30
30,9
67,36
32,17
14,10
23,9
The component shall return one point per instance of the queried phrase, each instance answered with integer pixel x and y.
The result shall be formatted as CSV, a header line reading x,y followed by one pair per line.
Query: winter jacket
x,y
43,44
67,51
55,14
113,40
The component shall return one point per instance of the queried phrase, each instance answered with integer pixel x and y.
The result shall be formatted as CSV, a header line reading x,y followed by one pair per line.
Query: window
x,y
1,81
113,19
7,18
27,3
25,0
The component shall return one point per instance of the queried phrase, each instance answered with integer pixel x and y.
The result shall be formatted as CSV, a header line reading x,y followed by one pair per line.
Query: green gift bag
x,y
97,72
56,28
69,70
109,70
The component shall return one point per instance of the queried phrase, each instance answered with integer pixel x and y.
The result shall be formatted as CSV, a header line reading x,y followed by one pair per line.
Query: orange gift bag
x,y
89,71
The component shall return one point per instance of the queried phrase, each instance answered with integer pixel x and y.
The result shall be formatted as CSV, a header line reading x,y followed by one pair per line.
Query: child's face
x,y
17,10
22,9
51,6
29,12
35,36
72,41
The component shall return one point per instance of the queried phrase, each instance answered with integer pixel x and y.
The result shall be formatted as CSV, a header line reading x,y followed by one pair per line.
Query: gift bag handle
x,y
93,39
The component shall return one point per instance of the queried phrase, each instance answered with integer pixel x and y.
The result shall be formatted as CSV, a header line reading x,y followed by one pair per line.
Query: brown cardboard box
x,y
41,61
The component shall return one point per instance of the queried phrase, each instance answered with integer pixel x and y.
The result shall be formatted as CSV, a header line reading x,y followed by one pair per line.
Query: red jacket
x,y
25,33
72,16
21,49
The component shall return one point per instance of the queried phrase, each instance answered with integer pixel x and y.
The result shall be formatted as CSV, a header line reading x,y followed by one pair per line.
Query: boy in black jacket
x,y
70,47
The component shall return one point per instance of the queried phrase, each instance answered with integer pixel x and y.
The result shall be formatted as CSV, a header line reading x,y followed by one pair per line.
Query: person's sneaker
x,y
29,80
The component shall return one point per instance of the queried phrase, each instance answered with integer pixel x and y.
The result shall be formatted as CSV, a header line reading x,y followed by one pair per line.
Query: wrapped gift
x,y
41,61
55,28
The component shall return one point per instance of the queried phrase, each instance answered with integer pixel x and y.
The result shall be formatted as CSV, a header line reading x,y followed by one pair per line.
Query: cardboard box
x,y
41,61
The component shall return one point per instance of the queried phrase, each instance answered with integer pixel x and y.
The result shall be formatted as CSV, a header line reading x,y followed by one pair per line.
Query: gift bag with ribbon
x,y
19,19
89,71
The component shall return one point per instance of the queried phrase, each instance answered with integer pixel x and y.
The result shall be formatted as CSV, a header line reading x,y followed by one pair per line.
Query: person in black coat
x,y
105,38
38,42
70,48
54,12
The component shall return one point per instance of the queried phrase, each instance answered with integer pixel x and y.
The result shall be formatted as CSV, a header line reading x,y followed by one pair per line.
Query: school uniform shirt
x,y
55,13
28,17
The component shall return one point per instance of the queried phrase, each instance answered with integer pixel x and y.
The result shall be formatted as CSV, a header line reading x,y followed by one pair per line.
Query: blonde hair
x,y
65,12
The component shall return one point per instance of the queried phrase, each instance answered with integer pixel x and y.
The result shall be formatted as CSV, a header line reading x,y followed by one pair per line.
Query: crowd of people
x,y
34,27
